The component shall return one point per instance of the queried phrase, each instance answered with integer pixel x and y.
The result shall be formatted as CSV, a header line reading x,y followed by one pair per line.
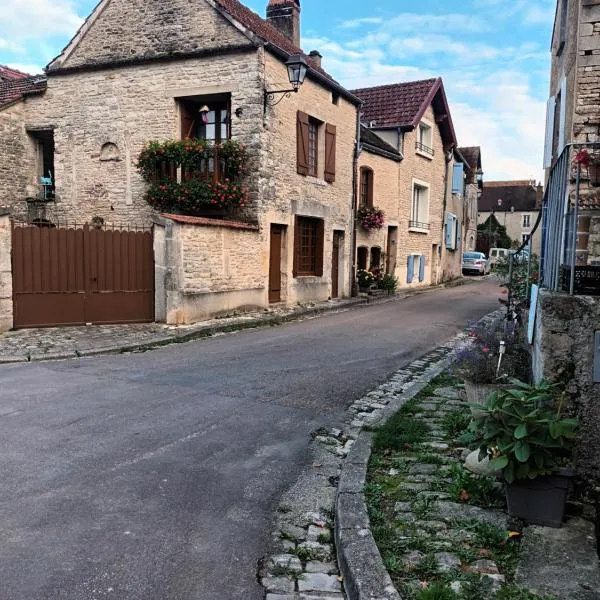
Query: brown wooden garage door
x,y
79,275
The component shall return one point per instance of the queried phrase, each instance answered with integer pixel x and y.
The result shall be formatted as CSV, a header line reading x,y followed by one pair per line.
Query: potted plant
x,y
591,162
365,279
388,283
371,218
526,435
479,365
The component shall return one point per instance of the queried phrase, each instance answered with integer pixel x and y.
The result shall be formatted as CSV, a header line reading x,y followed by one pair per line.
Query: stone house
x,y
170,70
566,343
473,187
414,118
516,205
378,182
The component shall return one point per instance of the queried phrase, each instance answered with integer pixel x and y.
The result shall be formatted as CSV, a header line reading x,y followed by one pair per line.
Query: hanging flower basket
x,y
371,218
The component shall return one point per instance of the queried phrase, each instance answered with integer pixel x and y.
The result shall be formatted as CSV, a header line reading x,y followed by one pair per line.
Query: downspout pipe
x,y
357,150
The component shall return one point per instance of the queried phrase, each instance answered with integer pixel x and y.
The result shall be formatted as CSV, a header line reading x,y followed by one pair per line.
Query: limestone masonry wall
x,y
563,351
6,300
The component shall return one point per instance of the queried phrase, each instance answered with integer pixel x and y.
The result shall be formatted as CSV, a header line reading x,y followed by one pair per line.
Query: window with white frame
x,y
526,221
425,139
524,238
419,215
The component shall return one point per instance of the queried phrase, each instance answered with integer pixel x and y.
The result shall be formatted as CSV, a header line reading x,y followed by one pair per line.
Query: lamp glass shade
x,y
297,67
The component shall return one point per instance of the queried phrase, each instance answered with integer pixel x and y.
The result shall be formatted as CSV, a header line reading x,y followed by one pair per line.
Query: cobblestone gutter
x,y
304,565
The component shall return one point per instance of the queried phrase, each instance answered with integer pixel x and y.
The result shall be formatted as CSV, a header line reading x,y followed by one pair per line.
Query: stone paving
x,y
303,565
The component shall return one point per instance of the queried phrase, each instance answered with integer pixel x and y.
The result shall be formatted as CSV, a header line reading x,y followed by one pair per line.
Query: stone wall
x,y
6,295
385,197
470,225
200,271
15,164
563,351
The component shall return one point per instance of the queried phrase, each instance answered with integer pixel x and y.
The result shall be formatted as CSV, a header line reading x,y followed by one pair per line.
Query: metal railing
x,y
418,225
560,218
423,148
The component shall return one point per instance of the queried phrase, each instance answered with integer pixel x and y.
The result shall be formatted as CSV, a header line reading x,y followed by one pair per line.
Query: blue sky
x,y
492,55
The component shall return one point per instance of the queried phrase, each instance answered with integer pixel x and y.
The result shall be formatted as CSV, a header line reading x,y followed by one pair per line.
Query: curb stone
x,y
364,574
230,325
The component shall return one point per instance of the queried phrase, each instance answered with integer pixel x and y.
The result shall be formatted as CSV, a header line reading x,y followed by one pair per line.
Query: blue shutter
x,y
449,219
422,269
458,179
410,270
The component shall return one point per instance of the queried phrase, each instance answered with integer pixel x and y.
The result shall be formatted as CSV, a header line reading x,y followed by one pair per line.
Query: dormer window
x,y
424,145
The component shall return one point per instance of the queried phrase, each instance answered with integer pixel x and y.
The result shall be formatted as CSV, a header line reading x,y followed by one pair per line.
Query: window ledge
x,y
424,154
316,181
310,278
418,230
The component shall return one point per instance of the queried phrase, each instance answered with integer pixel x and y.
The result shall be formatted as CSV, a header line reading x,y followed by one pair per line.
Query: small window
x,y
526,220
563,26
335,98
375,266
525,238
366,187
313,147
419,218
425,139
308,247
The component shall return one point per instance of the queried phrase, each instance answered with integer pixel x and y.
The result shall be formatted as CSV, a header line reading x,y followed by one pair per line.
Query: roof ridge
x,y
21,74
431,80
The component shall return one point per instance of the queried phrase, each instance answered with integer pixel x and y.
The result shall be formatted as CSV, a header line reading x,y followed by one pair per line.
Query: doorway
x,y
391,251
276,244
338,243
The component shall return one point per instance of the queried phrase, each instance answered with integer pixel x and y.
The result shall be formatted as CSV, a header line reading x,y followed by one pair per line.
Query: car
x,y
475,262
498,254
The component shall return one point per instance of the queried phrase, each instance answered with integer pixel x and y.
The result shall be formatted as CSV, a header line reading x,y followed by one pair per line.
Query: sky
x,y
493,56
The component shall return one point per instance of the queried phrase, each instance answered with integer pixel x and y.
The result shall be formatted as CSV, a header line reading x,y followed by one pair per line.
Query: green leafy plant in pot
x,y
529,439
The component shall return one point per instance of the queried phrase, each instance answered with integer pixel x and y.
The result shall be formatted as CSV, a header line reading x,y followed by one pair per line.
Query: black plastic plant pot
x,y
540,501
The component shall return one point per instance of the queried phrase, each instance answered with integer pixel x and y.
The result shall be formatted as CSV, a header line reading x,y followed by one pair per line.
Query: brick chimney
x,y
285,15
317,57
539,195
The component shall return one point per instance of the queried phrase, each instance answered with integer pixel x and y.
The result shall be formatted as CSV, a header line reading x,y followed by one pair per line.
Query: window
x,y
313,147
308,247
525,238
207,118
419,218
335,98
366,187
526,221
562,39
375,259
425,140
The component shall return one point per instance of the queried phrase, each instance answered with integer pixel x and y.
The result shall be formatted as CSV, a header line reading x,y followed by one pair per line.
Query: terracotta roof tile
x,y
7,73
189,220
267,31
521,195
16,89
397,104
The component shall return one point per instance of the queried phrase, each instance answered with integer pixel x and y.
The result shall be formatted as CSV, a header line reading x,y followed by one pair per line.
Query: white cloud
x,y
354,23
28,19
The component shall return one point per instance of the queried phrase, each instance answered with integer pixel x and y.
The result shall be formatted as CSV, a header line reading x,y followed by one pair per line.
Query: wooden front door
x,y
391,251
275,264
335,263
79,275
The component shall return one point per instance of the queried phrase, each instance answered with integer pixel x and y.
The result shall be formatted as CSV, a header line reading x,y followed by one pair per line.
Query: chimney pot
x,y
285,16
316,57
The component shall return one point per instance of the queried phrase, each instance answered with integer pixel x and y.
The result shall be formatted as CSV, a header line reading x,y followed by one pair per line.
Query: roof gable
x,y
404,104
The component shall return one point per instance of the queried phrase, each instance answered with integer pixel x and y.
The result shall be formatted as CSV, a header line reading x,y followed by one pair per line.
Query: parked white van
x,y
496,254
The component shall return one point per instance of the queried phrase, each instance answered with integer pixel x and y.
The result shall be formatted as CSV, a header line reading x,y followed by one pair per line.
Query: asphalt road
x,y
154,476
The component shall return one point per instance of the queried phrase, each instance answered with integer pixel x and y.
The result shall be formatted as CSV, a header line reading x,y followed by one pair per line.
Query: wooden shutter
x,y
330,145
410,269
370,186
458,179
320,247
188,120
449,231
550,108
302,143
297,245
422,268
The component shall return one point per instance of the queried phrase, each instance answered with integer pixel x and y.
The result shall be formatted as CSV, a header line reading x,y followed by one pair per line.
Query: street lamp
x,y
297,68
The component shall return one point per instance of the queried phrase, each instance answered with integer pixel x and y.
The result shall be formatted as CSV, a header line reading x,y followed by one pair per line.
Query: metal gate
x,y
81,275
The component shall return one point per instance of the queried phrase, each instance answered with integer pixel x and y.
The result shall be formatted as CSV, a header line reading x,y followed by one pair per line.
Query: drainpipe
x,y
357,148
